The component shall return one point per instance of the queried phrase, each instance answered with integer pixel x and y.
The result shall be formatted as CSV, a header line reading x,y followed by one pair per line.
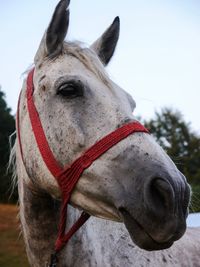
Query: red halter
x,y
68,177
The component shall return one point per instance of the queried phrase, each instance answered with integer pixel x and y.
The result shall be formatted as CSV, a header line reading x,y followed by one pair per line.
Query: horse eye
x,y
70,90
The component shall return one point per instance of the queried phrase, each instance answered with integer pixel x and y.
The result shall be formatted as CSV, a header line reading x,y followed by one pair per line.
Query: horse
x,y
136,196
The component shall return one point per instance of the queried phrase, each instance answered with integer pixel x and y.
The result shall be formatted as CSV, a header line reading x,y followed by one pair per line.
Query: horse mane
x,y
11,167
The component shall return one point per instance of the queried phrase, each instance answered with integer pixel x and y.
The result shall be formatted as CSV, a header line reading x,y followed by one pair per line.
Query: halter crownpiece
x,y
68,177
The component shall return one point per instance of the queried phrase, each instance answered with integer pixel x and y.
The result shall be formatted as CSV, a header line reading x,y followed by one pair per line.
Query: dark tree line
x,y
168,126
7,127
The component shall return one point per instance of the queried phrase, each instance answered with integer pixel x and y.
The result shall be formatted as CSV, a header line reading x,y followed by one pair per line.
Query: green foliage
x,y
7,126
195,203
181,144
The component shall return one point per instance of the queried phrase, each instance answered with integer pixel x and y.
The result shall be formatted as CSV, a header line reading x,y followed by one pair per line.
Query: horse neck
x,y
39,217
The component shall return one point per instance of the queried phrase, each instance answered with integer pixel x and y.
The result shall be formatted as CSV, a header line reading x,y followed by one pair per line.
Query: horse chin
x,y
141,237
95,207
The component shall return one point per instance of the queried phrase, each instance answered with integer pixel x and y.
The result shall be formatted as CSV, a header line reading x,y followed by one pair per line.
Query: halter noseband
x,y
68,177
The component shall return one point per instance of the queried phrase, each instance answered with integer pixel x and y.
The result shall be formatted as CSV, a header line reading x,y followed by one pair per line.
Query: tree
x,y
7,126
181,144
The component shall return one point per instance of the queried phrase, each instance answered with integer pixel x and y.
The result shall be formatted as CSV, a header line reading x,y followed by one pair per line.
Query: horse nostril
x,y
162,195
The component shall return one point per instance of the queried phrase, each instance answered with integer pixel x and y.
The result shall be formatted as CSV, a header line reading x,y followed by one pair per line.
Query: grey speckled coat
x,y
135,188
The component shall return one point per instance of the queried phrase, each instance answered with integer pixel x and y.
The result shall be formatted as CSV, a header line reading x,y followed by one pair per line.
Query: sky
x,y
157,59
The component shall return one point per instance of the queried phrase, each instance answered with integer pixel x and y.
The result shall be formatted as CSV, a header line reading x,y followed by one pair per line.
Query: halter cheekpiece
x,y
68,177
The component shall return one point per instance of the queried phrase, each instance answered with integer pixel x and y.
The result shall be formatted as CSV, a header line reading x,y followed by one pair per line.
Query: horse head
x,y
134,182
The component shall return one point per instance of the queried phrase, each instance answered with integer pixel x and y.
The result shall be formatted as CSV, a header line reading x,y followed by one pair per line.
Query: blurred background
x,y
157,61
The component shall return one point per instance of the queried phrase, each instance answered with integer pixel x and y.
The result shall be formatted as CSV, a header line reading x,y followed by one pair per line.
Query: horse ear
x,y
57,29
106,44
52,41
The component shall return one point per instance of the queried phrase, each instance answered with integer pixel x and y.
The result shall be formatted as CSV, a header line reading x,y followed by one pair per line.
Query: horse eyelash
x,y
78,89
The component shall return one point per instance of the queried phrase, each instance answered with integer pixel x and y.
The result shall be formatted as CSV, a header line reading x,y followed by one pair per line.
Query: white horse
x,y
134,185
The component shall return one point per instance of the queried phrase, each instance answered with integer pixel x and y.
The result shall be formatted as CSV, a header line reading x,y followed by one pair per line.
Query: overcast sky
x,y
157,59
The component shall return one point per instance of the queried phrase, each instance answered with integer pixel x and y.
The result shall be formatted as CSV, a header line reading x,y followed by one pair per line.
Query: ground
x,y
12,252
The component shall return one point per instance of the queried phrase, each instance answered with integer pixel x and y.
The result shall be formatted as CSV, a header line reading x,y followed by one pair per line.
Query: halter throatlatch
x,y
67,177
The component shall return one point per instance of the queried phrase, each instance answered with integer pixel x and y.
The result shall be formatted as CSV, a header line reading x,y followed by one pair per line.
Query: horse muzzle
x,y
159,216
